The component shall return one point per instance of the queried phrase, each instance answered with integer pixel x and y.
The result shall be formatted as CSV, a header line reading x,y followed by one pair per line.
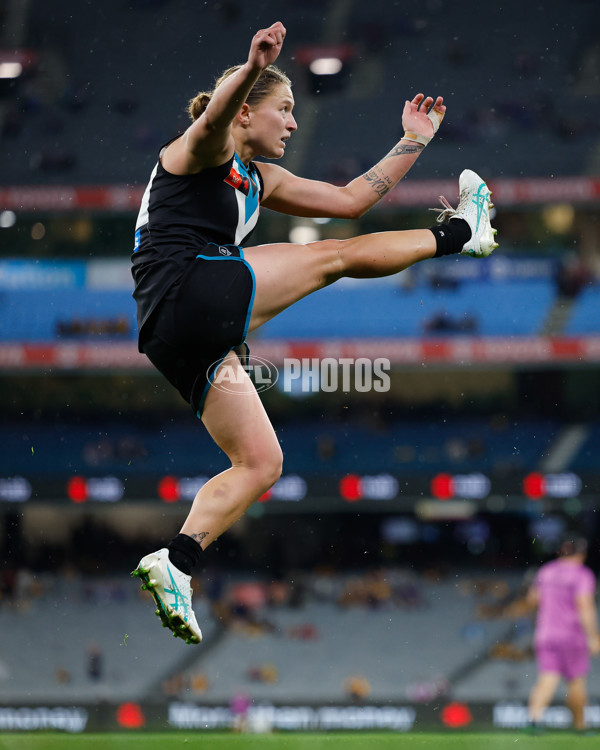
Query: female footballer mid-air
x,y
200,289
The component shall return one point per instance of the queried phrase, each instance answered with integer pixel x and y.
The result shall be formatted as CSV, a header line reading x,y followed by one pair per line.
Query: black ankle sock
x,y
185,553
451,236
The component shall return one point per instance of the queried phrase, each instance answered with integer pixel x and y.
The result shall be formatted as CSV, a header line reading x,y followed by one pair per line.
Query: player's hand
x,y
266,46
594,645
423,115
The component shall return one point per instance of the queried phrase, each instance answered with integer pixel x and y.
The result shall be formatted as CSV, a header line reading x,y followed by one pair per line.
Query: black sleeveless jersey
x,y
180,215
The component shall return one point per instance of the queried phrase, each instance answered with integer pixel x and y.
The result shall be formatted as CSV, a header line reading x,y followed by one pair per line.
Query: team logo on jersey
x,y
246,185
234,178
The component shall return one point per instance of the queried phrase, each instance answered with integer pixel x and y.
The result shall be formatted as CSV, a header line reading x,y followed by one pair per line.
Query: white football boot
x,y
474,207
172,593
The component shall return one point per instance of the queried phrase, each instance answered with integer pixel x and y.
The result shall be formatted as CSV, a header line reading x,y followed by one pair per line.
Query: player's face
x,y
272,122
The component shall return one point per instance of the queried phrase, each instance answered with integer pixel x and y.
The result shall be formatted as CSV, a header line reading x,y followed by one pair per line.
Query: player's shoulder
x,y
272,175
268,170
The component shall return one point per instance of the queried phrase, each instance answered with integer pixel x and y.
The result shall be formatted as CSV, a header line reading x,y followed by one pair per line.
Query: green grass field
x,y
332,741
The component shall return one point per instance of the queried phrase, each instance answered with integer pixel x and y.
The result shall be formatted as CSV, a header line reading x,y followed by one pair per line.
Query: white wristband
x,y
416,138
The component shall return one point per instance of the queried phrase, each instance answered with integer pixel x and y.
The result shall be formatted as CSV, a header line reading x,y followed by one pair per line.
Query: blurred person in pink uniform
x,y
566,631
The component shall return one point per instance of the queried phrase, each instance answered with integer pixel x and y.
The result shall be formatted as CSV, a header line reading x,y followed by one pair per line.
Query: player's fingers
x,y
418,99
426,103
278,26
269,35
261,36
270,39
275,34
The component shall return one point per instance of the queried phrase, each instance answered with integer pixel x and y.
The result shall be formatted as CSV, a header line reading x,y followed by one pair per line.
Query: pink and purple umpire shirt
x,y
560,640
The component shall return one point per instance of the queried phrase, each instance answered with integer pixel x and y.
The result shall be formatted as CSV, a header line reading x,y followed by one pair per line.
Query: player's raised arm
x,y
228,98
421,119
284,192
208,141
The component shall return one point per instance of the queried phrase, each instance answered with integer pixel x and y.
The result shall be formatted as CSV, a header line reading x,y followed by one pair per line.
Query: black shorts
x,y
200,320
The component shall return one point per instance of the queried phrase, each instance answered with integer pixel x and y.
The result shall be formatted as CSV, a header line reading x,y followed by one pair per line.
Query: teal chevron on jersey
x,y
249,187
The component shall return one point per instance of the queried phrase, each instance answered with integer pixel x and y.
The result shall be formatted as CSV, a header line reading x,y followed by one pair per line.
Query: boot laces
x,y
446,212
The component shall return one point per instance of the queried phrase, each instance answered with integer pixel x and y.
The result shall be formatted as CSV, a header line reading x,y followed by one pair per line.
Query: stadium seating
x,y
500,118
441,645
48,315
586,459
401,650
586,312
309,447
486,308
397,651
348,309
53,632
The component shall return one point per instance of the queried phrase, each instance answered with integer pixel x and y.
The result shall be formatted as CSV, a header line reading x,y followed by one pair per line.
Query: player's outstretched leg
x,y
172,593
474,207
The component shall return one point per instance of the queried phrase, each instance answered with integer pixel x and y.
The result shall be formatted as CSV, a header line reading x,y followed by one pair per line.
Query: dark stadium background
x,y
407,524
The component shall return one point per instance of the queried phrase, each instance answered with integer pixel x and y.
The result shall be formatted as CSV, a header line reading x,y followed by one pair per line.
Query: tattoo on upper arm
x,y
403,148
199,537
379,181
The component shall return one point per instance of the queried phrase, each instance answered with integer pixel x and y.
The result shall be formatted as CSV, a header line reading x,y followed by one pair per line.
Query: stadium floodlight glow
x,y
38,231
326,66
302,234
10,69
559,217
7,219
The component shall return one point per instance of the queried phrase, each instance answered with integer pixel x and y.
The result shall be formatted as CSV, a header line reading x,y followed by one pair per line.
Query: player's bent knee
x,y
264,463
330,258
271,468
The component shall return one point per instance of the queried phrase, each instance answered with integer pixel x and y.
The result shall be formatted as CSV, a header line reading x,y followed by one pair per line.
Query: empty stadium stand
x,y
455,297
403,650
53,632
310,447
91,115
